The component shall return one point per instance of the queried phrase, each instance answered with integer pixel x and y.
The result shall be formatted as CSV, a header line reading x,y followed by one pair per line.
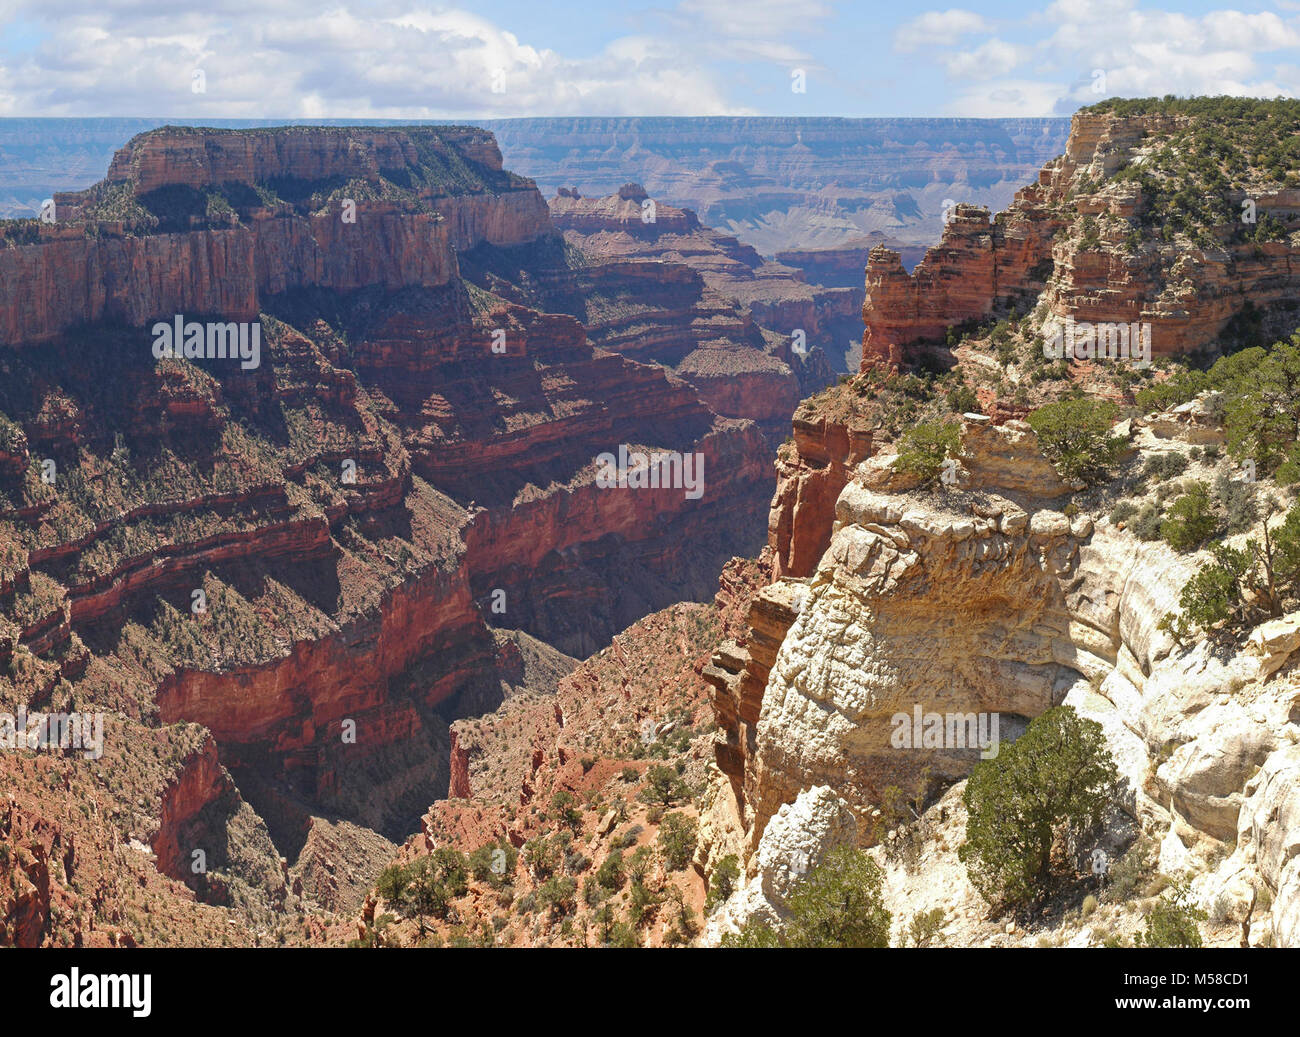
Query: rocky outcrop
x,y
811,472
84,270
190,157
986,598
1047,241
976,265
796,841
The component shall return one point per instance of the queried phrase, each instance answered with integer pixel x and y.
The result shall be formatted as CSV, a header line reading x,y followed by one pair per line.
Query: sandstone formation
x,y
1047,242
72,276
986,598
305,560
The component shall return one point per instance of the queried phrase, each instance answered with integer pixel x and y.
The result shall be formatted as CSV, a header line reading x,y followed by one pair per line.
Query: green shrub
x,y
1122,512
663,785
1058,777
924,447
541,856
1075,437
1214,595
925,928
839,904
1191,520
723,882
1237,499
564,807
500,852
1127,875
677,836
627,838
558,895
427,885
1164,466
611,874
1243,585
640,864
1146,526
962,400
1173,921
623,935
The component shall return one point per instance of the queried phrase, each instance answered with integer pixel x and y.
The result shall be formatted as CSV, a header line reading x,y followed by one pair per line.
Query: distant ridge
x,y
776,183
792,183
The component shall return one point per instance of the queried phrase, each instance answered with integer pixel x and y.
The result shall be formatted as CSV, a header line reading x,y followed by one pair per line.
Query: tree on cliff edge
x,y
1075,437
1056,779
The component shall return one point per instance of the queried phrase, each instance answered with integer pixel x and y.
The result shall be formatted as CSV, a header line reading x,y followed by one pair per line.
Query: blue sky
x,y
502,58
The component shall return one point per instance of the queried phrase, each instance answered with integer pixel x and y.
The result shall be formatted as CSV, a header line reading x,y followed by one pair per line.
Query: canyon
x,y
824,190
321,561
1007,592
426,629
789,184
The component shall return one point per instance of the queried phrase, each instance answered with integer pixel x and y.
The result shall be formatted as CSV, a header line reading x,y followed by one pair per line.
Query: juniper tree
x,y
1056,779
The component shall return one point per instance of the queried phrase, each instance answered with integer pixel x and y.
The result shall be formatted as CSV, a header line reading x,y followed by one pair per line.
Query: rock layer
x,y
1188,293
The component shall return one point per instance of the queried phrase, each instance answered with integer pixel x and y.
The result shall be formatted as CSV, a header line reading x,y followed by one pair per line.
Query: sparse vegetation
x,y
1075,436
924,447
1173,921
1057,779
723,882
839,904
677,836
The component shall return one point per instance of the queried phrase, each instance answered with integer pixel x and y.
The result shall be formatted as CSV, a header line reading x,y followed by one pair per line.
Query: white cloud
x,y
1007,98
1126,50
382,59
938,29
989,60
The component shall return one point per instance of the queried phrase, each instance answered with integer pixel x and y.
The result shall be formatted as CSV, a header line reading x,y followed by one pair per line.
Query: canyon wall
x,y
83,272
752,337
306,559
1042,245
988,599
808,183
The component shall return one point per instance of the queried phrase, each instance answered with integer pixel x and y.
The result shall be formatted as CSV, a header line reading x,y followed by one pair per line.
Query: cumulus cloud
x,y
1077,52
397,59
380,59
938,29
991,59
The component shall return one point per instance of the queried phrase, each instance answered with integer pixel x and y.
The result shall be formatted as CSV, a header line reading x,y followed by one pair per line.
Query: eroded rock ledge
x,y
987,598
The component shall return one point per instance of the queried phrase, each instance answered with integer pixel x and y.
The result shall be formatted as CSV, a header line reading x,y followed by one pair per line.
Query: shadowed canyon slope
x,y
306,555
